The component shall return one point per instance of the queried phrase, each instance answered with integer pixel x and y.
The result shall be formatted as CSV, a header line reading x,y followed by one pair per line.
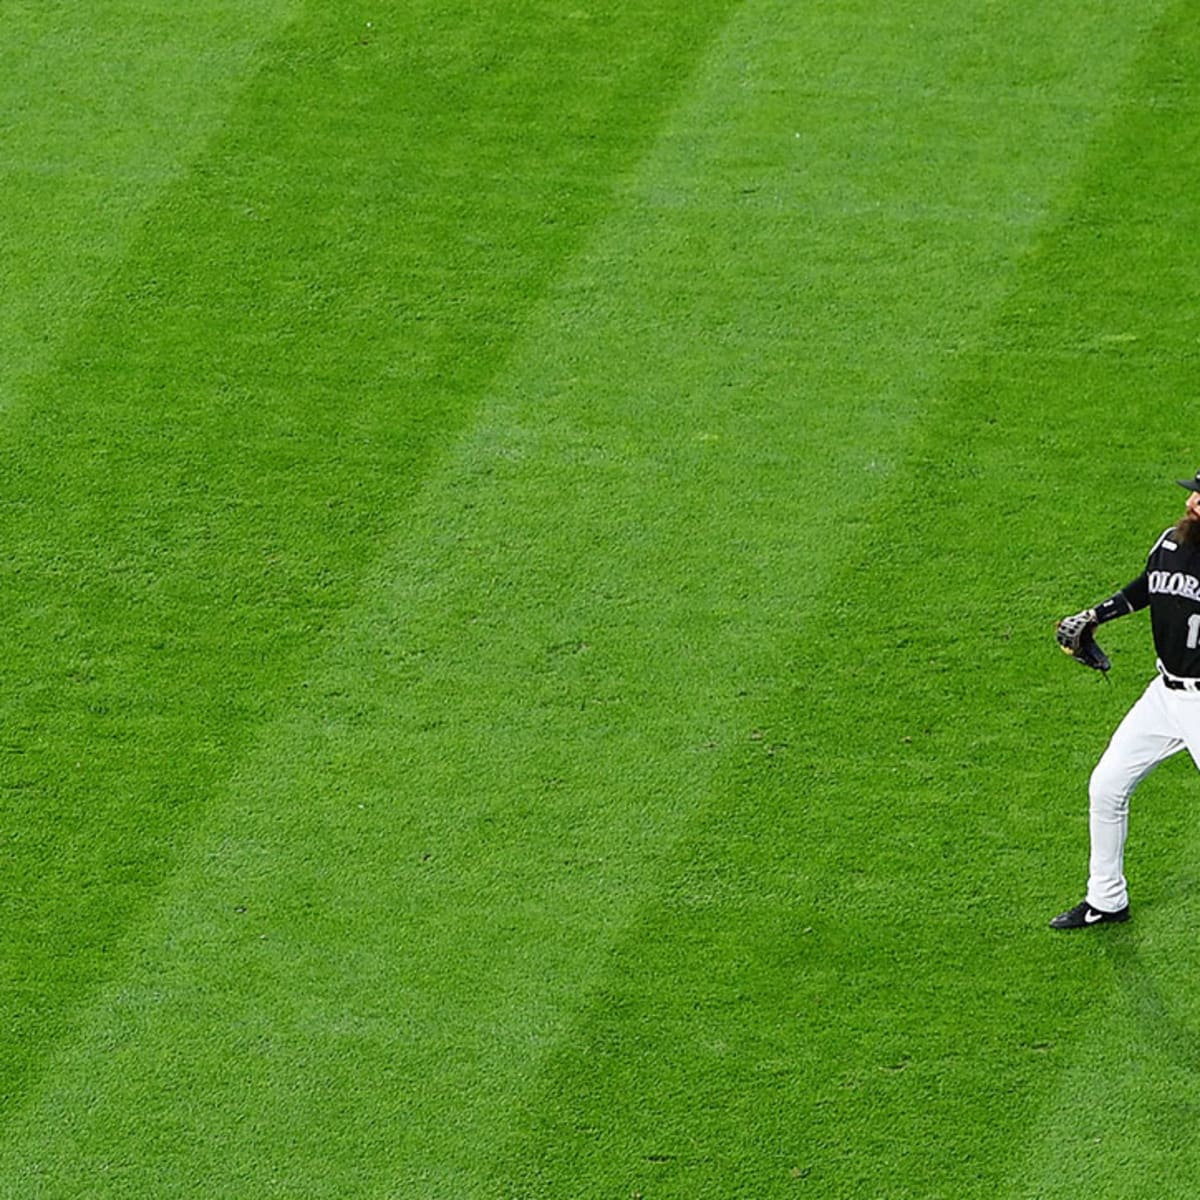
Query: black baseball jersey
x,y
1170,585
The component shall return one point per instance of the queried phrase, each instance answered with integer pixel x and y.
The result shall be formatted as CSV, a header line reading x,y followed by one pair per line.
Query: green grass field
x,y
532,533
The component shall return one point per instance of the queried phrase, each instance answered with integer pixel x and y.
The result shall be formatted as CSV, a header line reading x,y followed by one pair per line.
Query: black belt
x,y
1182,685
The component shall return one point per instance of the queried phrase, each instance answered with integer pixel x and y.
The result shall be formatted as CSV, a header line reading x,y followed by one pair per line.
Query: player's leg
x,y
1146,737
1185,707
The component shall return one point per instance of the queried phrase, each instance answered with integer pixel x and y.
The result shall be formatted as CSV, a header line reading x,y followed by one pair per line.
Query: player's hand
x,y
1076,636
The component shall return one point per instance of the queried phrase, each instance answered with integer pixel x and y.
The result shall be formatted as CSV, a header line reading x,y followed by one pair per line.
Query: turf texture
x,y
531,533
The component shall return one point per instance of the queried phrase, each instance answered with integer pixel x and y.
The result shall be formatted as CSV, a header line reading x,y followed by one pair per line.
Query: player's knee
x,y
1108,791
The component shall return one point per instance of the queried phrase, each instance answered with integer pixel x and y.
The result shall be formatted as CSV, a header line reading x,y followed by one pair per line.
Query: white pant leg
x,y
1184,708
1150,733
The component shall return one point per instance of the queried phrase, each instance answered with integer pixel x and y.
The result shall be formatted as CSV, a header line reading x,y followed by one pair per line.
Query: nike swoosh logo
x,y
1092,916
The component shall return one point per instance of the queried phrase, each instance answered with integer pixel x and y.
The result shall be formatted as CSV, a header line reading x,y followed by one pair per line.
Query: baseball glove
x,y
1076,636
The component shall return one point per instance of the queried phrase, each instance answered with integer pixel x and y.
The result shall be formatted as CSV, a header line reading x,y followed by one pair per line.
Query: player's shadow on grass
x,y
1163,1032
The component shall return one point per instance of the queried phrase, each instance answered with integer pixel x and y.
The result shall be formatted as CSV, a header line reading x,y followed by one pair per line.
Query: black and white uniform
x,y
1164,721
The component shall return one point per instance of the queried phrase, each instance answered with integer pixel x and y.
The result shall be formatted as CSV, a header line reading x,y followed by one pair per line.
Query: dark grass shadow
x,y
1161,1030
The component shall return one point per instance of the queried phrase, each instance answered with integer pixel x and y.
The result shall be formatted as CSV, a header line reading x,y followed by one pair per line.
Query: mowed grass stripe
x,y
103,106
845,982
531,705
196,489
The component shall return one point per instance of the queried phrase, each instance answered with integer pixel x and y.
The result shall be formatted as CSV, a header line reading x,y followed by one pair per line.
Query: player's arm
x,y
1132,597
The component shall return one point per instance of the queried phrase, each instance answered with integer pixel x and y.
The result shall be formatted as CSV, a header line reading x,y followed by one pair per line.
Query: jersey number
x,y
1193,631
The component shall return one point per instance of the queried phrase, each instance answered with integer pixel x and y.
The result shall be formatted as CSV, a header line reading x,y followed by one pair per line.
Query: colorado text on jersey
x,y
1175,583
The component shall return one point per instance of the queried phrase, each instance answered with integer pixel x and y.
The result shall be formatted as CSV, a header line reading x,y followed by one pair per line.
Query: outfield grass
x,y
532,535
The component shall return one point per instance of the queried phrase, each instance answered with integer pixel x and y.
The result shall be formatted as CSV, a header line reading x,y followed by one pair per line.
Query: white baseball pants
x,y
1163,722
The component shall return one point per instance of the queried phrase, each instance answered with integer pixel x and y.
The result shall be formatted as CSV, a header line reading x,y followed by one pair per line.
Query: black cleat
x,y
1083,915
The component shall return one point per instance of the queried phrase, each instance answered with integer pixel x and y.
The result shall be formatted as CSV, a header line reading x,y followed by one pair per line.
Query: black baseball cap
x,y
1192,485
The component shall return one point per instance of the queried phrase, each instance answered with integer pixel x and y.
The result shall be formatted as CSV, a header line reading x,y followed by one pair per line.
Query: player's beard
x,y
1187,531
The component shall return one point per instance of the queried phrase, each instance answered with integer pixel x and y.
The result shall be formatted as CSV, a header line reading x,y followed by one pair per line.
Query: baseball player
x,y
1166,718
